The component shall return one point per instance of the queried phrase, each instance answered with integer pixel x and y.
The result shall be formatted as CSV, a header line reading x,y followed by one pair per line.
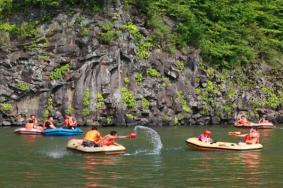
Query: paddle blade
x,y
233,133
132,135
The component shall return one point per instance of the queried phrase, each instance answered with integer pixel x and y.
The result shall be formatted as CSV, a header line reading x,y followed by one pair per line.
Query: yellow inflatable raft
x,y
195,143
76,144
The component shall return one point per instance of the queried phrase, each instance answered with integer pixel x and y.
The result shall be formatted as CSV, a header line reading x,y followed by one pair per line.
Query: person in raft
x,y
263,120
109,139
70,122
92,138
243,121
252,137
34,120
49,124
29,124
206,136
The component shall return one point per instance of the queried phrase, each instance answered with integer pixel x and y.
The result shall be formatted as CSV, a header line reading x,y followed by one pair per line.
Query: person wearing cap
x,y
92,138
206,136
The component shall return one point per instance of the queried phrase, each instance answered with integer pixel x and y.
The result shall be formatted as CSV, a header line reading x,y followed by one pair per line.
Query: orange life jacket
x,y
108,140
70,122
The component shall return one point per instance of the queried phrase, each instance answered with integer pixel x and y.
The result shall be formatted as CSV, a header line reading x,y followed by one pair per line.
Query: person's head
x,y
207,133
50,118
254,129
94,127
113,133
30,121
32,116
243,116
47,124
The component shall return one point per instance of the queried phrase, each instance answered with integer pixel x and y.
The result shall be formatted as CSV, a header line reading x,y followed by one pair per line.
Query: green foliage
x,y
133,30
45,114
128,98
210,72
109,120
130,116
145,104
126,80
36,44
59,72
7,27
99,101
6,107
86,103
69,109
138,77
182,99
108,33
49,108
23,86
153,73
227,32
180,65
144,49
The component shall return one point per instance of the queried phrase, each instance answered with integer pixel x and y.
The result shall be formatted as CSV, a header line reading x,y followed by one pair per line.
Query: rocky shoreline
x,y
72,68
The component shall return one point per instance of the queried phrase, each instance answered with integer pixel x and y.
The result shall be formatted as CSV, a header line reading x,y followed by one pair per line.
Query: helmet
x,y
207,132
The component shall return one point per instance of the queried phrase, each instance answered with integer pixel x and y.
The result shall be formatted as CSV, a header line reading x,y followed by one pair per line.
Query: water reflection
x,y
93,174
251,160
29,139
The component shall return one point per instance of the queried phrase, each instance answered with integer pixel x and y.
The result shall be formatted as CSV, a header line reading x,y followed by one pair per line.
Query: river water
x,y
43,162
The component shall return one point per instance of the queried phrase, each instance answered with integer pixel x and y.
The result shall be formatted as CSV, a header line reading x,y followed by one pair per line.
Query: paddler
x,y
252,137
206,136
34,120
92,138
109,139
243,121
70,122
49,124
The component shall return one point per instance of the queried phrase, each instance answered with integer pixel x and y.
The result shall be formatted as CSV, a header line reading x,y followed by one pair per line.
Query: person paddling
x,y
34,120
70,122
252,137
243,121
206,136
109,139
49,124
92,138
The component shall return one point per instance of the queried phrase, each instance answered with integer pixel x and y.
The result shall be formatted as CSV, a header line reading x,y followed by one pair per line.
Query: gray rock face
x,y
192,95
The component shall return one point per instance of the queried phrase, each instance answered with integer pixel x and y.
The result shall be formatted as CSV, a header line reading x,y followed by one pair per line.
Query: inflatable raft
x,y
195,143
62,132
28,131
76,144
257,125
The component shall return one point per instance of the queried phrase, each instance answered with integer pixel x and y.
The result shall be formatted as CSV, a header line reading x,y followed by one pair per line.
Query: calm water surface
x,y
39,162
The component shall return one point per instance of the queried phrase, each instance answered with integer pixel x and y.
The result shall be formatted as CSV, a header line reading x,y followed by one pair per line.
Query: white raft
x,y
76,144
28,131
195,143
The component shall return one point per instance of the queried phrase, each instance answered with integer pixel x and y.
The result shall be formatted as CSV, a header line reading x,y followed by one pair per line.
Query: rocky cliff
x,y
104,69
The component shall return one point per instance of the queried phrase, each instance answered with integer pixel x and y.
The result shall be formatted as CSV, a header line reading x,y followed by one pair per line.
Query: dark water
x,y
37,161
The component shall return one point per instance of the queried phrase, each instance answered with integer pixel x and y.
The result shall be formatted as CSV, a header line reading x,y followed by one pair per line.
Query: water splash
x,y
57,153
154,138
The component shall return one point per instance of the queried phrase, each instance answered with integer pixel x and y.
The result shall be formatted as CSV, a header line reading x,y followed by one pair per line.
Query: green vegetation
x,y
59,72
130,116
180,65
49,108
138,77
86,103
109,120
153,73
227,32
108,33
69,109
99,101
145,104
144,43
6,107
182,99
126,80
23,86
128,98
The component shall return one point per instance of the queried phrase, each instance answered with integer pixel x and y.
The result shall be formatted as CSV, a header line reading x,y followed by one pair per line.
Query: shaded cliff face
x,y
105,70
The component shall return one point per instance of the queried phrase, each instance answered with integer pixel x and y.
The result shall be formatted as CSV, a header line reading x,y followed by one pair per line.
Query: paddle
x,y
236,133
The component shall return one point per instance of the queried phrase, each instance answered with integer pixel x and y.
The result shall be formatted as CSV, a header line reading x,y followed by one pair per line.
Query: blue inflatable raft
x,y
62,132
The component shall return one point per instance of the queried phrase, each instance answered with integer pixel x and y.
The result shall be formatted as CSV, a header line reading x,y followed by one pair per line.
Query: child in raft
x,y
109,139
206,136
243,121
251,138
